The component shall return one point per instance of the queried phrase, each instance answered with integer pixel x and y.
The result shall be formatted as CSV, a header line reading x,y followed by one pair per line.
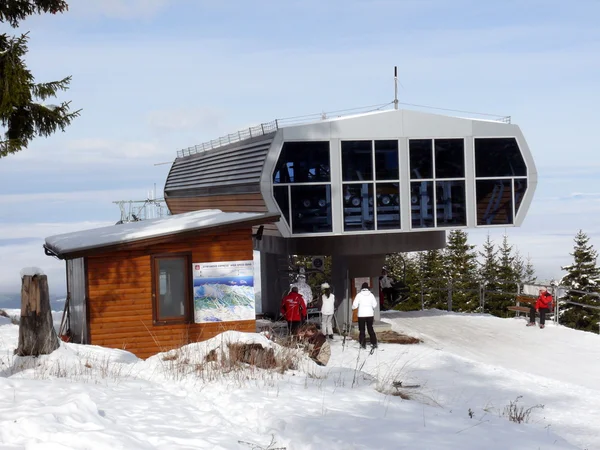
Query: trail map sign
x,y
223,291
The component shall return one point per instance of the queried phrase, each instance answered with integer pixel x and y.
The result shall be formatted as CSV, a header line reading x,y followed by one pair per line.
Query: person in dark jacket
x,y
543,305
293,308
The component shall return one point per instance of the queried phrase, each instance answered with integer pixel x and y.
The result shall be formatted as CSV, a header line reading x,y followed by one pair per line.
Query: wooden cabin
x,y
158,284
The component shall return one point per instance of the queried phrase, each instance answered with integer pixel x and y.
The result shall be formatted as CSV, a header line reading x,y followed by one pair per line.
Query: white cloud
x,y
91,196
13,258
43,230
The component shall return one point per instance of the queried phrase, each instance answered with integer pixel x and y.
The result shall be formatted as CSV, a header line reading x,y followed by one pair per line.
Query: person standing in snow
x,y
327,306
293,308
385,284
366,303
543,305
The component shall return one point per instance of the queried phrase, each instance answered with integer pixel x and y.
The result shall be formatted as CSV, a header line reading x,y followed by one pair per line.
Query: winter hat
x,y
325,286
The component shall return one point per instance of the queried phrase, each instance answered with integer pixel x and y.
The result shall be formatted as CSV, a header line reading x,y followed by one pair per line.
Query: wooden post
x,y
36,330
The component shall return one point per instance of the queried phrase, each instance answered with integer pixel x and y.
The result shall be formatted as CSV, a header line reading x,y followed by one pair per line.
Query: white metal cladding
x,y
230,169
401,125
76,288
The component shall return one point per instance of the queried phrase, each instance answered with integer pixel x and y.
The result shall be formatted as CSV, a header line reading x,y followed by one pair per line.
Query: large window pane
x,y
498,157
449,158
172,289
494,202
421,199
358,207
421,159
386,160
357,160
303,162
311,209
520,189
388,206
283,201
450,203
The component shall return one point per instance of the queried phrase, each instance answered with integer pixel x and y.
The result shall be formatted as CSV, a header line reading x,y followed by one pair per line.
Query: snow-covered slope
x,y
469,367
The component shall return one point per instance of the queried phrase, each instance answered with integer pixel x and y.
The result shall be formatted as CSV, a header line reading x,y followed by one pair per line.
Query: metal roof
x,y
62,245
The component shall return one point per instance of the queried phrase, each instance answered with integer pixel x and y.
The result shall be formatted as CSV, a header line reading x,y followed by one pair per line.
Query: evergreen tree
x,y
434,283
460,261
529,272
22,116
582,275
404,269
488,269
508,279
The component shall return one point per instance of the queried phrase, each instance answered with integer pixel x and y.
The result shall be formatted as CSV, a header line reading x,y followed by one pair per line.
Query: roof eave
x,y
158,239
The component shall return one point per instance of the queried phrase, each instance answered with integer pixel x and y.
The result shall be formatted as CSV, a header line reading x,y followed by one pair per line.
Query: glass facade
x,y
370,174
494,202
303,162
371,181
431,161
302,186
498,161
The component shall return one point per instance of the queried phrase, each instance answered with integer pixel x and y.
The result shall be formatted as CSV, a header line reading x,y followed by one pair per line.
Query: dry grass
x,y
392,337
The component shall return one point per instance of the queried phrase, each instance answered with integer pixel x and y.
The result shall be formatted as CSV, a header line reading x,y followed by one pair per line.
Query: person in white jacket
x,y
366,303
328,307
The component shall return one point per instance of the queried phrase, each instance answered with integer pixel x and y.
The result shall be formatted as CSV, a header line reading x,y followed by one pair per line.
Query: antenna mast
x,y
395,87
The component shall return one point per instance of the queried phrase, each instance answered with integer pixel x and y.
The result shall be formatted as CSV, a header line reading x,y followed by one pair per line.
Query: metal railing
x,y
274,125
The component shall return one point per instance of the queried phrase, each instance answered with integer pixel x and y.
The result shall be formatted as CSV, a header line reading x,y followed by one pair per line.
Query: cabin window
x,y
499,188
172,288
438,186
498,157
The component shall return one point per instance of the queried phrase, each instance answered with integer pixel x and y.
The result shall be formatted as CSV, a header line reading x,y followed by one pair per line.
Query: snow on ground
x,y
88,397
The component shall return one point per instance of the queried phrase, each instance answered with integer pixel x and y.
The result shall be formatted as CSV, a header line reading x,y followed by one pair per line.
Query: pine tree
x,y
404,269
460,261
433,284
488,269
582,275
529,272
22,116
508,279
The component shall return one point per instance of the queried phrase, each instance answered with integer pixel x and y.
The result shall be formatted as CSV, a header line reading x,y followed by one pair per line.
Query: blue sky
x,y
154,76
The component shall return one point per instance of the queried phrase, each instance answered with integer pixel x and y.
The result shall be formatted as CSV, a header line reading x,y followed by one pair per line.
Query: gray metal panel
x,y
76,288
221,170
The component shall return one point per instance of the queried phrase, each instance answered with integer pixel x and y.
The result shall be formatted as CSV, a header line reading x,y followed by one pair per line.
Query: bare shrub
x,y
253,354
517,413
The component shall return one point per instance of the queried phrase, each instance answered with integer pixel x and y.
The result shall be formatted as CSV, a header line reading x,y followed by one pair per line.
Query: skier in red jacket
x,y
543,305
293,308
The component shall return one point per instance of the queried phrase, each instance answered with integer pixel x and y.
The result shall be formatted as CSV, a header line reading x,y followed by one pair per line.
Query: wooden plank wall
x,y
120,295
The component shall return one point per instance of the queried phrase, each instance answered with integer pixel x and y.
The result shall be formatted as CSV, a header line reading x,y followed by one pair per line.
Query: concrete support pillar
x,y
273,284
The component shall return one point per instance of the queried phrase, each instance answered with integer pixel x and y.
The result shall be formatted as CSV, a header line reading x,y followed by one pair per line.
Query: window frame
x,y
512,178
187,317
290,223
434,179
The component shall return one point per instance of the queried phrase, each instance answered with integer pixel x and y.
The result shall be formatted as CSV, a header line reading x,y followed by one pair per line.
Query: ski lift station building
x,y
358,187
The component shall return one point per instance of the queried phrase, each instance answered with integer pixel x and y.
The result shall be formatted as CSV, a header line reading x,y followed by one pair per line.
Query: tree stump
x,y
36,330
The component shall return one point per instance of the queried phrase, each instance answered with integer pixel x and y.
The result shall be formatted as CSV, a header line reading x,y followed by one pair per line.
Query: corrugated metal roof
x,y
79,241
232,165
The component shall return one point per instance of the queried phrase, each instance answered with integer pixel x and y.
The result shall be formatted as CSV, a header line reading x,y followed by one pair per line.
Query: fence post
x,y
449,295
482,296
554,291
250,130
